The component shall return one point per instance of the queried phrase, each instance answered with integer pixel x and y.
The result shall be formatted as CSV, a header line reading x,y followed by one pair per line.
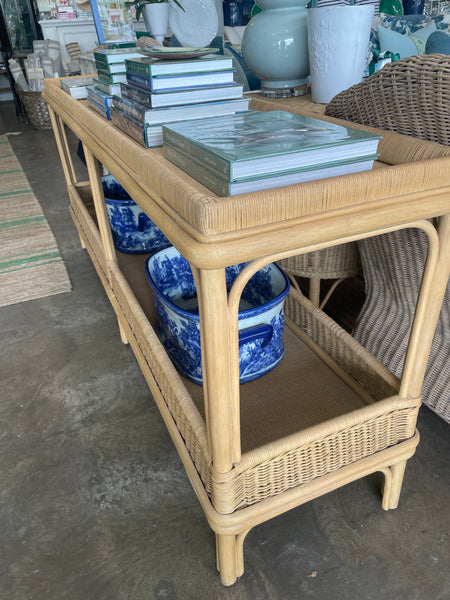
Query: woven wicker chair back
x,y
412,97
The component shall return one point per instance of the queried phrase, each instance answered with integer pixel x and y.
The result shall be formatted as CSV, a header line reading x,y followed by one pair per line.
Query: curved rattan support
x,y
412,97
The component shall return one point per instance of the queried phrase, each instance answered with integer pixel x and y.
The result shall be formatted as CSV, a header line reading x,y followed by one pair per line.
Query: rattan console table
x,y
329,413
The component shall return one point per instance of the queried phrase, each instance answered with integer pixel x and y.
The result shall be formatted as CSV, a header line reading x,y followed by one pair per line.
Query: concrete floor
x,y
95,503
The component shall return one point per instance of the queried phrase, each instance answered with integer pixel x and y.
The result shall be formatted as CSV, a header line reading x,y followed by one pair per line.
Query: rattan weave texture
x,y
36,108
412,97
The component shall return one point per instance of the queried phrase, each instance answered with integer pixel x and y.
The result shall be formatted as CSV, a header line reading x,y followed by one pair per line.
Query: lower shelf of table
x,y
315,413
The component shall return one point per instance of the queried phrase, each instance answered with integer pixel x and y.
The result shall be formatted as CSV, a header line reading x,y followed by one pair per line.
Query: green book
x,y
111,68
109,78
258,143
107,88
169,114
151,67
222,187
147,136
117,55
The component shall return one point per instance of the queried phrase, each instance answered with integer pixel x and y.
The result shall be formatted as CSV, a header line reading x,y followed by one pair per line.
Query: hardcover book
x,y
261,143
180,97
162,83
109,78
76,86
108,88
101,110
116,55
99,97
149,137
150,67
158,116
111,68
223,187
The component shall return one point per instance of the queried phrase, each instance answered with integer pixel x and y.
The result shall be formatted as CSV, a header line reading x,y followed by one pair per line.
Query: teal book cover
x,y
156,66
257,143
115,55
223,187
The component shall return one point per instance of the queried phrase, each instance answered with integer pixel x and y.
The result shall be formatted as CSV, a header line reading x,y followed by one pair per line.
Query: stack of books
x,y
110,65
235,154
76,86
159,91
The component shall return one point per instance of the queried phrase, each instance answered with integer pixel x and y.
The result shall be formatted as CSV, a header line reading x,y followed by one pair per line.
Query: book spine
x,y
101,63
133,93
129,126
102,99
134,66
196,170
213,162
130,107
106,88
111,68
109,78
143,81
98,109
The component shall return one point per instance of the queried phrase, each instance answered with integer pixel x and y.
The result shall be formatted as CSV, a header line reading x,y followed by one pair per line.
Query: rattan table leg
x,y
314,290
393,485
63,147
93,167
226,551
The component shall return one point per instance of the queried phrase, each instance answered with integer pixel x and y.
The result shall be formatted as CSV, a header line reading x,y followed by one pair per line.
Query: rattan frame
x,y
241,483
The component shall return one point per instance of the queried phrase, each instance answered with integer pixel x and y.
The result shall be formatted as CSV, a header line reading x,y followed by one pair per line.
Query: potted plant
x,y
156,16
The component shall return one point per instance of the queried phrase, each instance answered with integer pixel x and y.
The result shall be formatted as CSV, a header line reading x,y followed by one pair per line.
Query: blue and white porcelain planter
x,y
261,315
133,232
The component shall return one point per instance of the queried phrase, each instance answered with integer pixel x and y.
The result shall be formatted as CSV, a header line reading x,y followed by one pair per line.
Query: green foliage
x,y
142,3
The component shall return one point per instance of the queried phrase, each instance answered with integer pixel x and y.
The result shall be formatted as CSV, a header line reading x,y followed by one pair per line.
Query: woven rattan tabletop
x,y
214,231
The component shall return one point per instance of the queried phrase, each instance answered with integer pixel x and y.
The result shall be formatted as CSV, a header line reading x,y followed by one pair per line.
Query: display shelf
x,y
324,376
330,412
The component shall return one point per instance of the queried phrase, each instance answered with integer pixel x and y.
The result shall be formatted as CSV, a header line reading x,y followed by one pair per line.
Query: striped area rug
x,y
30,264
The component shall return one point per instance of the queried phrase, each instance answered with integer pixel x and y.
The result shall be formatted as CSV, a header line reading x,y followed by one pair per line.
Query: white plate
x,y
177,52
197,25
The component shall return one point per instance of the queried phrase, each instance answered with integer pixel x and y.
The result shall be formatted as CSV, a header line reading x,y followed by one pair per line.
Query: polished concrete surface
x,y
95,503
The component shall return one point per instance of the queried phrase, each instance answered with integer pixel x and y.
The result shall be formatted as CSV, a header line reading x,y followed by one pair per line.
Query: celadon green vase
x,y
275,47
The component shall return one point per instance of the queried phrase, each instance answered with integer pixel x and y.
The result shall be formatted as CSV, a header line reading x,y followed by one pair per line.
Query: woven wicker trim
x,y
304,464
368,371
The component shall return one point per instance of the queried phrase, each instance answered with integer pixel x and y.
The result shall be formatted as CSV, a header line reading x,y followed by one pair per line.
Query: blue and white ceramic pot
x,y
261,315
133,232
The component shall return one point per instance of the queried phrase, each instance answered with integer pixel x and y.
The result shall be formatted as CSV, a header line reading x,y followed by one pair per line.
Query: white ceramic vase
x,y
275,47
156,19
338,40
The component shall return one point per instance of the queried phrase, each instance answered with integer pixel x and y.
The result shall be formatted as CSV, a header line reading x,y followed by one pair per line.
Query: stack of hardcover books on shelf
x,y
159,91
76,86
110,66
252,151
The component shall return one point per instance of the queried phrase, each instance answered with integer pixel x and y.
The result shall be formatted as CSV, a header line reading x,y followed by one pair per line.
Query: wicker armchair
x,y
412,97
